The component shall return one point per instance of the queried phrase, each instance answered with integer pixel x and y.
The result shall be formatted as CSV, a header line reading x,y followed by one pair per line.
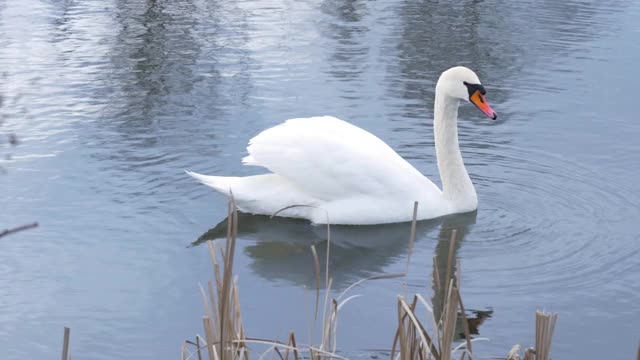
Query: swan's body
x,y
345,175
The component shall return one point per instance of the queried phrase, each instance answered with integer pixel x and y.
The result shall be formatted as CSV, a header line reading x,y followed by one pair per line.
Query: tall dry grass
x,y
225,338
66,354
415,338
433,338
545,327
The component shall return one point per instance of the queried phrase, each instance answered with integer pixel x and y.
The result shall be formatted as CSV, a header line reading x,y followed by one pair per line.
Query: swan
x,y
329,171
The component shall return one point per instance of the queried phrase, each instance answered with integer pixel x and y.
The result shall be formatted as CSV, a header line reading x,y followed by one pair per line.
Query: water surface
x,y
111,100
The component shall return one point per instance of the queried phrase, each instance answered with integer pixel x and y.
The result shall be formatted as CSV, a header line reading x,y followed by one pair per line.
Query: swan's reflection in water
x,y
280,250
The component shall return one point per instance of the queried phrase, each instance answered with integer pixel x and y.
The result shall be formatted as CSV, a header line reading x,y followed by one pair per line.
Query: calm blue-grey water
x,y
111,100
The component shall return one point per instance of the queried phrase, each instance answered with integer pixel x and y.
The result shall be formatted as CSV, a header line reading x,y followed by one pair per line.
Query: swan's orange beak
x,y
481,102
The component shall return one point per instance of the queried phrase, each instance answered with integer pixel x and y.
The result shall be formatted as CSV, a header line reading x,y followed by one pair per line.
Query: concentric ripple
x,y
549,221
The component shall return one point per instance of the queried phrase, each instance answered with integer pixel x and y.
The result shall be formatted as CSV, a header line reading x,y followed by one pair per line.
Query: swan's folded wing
x,y
331,159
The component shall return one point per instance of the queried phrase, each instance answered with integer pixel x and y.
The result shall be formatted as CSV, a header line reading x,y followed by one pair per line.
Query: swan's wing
x,y
331,159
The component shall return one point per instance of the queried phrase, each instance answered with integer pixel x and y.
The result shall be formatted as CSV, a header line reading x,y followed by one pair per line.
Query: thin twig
x,y
317,268
65,343
375,277
6,232
424,336
198,348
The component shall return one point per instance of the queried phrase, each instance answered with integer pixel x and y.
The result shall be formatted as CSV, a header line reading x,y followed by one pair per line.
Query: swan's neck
x,y
456,184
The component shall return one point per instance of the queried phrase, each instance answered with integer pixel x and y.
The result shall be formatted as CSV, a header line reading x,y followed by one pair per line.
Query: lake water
x,y
111,100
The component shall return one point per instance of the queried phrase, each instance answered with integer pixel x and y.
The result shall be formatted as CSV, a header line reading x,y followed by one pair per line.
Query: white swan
x,y
347,173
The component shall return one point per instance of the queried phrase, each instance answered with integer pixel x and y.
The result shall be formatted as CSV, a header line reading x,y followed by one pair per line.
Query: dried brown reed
x,y
413,341
545,327
65,344
225,337
16,229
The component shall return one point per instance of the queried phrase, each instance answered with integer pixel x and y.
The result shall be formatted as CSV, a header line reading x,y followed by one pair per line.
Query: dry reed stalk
x,y
291,342
326,319
214,305
16,229
198,348
374,277
332,324
410,344
65,343
205,302
545,327
225,338
223,326
224,332
184,351
209,336
202,343
226,283
316,262
401,337
433,320
413,341
277,351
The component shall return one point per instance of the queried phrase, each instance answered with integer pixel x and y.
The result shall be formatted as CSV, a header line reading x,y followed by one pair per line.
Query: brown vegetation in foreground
x,y
225,337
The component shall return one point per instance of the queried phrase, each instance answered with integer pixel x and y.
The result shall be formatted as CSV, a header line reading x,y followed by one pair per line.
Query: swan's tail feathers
x,y
221,184
263,194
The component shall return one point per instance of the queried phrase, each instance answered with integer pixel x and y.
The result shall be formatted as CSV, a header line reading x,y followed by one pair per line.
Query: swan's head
x,y
462,83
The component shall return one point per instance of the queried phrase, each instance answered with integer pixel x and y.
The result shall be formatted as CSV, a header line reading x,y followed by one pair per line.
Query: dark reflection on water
x,y
281,250
347,35
157,51
112,100
356,251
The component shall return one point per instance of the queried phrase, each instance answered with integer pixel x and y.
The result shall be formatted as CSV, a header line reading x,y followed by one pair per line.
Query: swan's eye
x,y
472,88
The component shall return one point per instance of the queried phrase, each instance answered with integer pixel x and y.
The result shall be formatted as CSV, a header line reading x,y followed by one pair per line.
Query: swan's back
x,y
330,159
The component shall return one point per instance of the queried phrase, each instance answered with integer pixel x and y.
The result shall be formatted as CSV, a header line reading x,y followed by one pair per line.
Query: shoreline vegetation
x,y
225,337
437,336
